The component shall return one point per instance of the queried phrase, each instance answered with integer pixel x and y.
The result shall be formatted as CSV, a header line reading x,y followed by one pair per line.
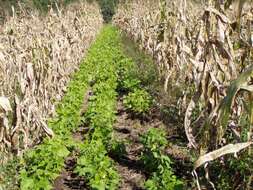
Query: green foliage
x,y
43,164
106,66
237,172
108,8
101,111
127,80
139,101
163,179
141,66
235,175
94,164
97,167
156,162
130,84
154,142
9,175
117,149
42,4
100,115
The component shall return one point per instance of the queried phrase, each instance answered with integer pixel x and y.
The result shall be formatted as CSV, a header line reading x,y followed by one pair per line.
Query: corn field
x,y
161,98
207,45
38,55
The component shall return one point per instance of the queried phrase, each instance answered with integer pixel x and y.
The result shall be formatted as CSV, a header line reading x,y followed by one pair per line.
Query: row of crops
x,y
204,53
98,69
109,74
204,48
90,101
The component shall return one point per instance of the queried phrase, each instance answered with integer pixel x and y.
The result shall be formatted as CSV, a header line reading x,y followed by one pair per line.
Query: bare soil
x,y
128,129
68,180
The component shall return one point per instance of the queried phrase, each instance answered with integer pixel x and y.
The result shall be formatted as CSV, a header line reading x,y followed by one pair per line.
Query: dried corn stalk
x,y
205,44
37,57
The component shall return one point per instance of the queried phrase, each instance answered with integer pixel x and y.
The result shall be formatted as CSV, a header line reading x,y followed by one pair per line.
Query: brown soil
x,y
128,129
68,180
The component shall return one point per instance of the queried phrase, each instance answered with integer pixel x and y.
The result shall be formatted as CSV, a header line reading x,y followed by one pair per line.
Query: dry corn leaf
x,y
5,104
228,149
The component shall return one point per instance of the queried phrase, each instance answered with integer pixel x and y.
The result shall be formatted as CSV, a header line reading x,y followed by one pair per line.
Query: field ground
x,y
128,128
162,99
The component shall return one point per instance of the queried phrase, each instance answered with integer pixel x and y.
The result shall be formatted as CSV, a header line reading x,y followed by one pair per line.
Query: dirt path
x,y
68,180
128,166
128,130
